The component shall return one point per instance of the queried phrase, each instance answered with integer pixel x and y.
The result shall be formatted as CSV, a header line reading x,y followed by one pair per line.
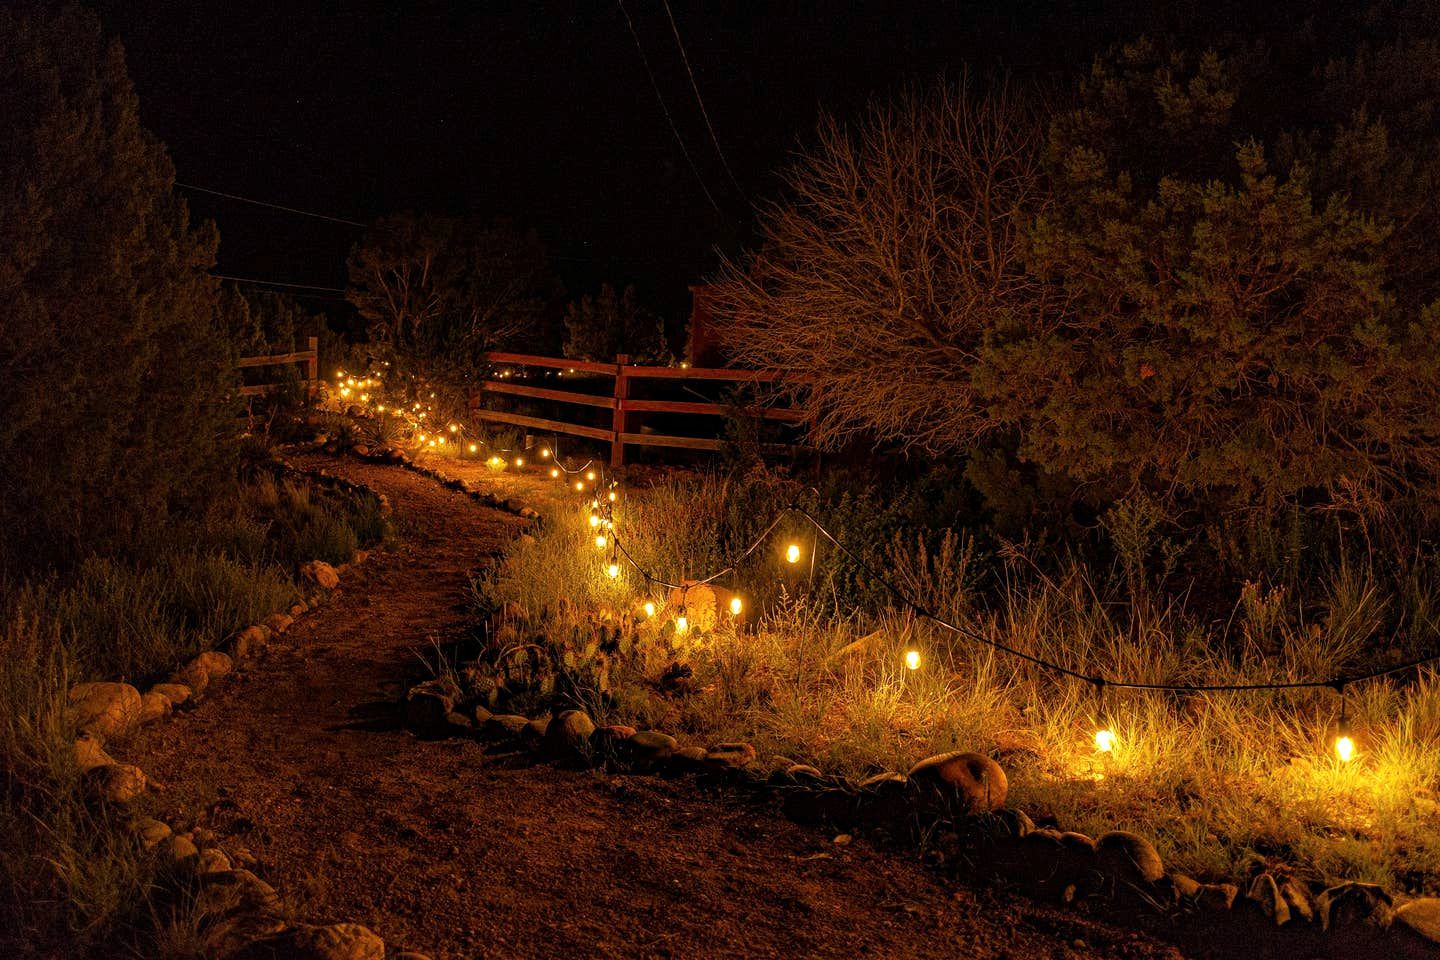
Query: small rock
x,y
178,852
530,514
279,622
1419,920
192,675
105,708
250,641
212,860
360,556
567,736
514,504
153,706
1216,896
1128,858
215,663
649,748
427,705
800,774
176,693
321,574
729,756
479,714
1354,904
457,722
958,784
532,735
115,782
339,941
1297,898
1265,893
504,726
298,609
687,760
150,832
224,893
90,752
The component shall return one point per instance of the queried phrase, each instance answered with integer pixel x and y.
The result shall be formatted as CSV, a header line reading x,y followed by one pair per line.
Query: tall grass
x,y
1220,780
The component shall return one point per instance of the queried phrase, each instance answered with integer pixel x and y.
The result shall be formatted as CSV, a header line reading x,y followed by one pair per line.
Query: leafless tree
x,y
898,250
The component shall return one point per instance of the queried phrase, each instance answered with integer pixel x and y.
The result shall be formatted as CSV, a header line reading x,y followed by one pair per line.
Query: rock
x,y
1128,858
150,832
427,705
479,715
178,851
957,784
192,675
457,722
1265,893
514,504
703,603
361,450
338,941
649,748
608,743
1297,898
90,752
1419,921
153,706
532,735
321,574
801,774
176,693
242,935
1216,896
279,622
212,860
216,664
250,641
115,782
104,708
298,609
529,514
1354,904
567,736
1033,861
226,893
360,556
729,756
687,760
1079,861
505,726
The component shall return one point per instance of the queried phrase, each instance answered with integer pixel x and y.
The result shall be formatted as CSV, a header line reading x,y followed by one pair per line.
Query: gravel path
x,y
445,849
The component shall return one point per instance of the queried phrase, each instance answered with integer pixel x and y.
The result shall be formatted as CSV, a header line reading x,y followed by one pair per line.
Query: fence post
x,y
312,368
622,392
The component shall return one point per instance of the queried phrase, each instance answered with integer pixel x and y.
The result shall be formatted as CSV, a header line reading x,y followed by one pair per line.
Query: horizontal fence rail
x,y
309,356
624,408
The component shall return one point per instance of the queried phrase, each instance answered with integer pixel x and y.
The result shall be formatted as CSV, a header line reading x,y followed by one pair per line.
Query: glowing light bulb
x,y
736,606
613,570
364,398
1345,748
594,520
544,453
649,609
422,438
519,461
454,429
613,496
339,374
579,485
600,541
344,391
440,440
1105,740
682,623
554,473
381,408
792,553
912,659
473,448
589,474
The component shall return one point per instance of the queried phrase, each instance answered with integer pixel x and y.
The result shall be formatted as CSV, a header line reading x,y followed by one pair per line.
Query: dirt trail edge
x,y
443,849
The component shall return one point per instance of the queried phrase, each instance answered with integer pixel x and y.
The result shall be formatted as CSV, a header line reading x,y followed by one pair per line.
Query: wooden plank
x,y
259,389
664,440
712,373
539,423
712,409
531,360
542,393
303,356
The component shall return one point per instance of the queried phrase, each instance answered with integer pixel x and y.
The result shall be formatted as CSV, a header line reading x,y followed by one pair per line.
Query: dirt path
x,y
442,849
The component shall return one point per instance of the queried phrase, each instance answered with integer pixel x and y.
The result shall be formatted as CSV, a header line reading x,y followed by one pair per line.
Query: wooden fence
x,y
625,409
309,356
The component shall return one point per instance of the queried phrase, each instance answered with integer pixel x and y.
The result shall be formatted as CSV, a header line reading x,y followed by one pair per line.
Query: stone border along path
x,y
300,768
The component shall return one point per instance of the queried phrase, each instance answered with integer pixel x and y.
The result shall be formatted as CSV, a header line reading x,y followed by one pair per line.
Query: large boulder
x,y
957,784
106,709
321,574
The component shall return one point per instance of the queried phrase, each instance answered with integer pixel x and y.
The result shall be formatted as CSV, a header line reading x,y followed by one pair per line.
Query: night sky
x,y
542,111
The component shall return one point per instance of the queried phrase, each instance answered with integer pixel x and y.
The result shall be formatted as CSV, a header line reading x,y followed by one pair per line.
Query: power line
x,y
703,112
272,206
277,283
666,110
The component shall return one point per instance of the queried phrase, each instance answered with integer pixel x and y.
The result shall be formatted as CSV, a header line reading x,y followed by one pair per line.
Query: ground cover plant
x,y
815,669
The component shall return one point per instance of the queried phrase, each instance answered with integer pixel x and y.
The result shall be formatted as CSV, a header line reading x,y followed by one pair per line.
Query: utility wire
x,y
272,206
703,112
277,283
666,110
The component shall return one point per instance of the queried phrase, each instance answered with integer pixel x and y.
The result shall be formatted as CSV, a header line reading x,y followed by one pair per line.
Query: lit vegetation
x,y
1216,778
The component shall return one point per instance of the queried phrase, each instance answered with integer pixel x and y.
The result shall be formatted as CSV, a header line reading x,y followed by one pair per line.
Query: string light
x,y
544,453
589,474
912,659
554,473
579,485
613,497
792,553
649,609
682,622
1105,740
454,429
736,606
1344,741
600,541
473,448
519,461
594,520
613,570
